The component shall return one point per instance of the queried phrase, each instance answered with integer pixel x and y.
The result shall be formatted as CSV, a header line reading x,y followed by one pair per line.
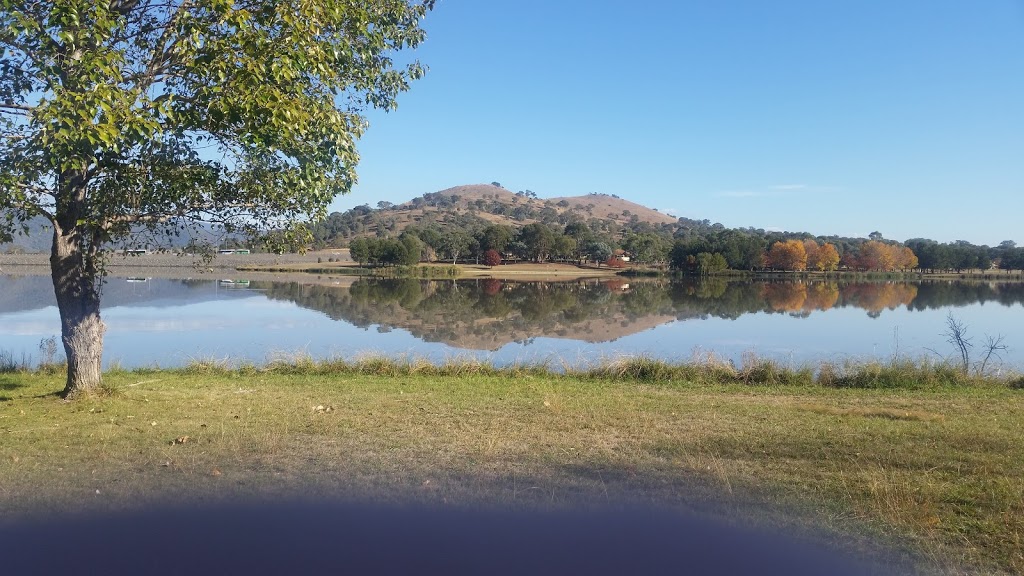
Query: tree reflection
x,y
487,314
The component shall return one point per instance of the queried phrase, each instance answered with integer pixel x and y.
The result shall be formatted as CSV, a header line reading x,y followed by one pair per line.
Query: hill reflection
x,y
488,314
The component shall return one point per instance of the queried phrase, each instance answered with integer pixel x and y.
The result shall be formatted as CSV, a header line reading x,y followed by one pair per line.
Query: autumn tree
x,y
905,259
811,249
129,118
788,255
492,258
876,255
825,258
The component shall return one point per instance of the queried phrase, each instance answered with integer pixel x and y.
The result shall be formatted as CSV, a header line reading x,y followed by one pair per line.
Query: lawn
x,y
930,476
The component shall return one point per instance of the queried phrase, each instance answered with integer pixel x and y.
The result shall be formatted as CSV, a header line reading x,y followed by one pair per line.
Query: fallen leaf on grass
x,y
321,409
215,472
181,440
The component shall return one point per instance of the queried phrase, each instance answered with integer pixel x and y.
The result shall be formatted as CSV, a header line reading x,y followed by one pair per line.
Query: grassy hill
x,y
487,203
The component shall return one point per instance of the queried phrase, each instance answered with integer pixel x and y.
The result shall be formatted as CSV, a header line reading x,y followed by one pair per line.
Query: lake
x,y
171,322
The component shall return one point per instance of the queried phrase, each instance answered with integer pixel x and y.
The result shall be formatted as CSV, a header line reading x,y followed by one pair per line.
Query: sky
x,y
841,117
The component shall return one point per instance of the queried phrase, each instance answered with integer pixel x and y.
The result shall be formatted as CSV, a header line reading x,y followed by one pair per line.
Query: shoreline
x,y
336,263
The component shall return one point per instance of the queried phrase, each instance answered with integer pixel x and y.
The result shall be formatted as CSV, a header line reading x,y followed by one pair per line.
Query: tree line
x,y
689,246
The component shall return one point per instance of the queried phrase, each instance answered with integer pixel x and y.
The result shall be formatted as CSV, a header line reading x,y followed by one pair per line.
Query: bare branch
x,y
993,346
12,106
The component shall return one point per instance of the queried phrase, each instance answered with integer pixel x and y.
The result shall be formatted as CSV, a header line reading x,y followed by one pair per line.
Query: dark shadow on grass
x,y
7,383
54,394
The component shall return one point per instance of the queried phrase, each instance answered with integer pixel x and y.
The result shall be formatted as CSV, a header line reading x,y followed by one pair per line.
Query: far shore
x,y
338,263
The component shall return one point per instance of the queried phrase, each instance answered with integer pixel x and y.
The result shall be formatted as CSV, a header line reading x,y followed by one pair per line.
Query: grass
x,y
898,456
703,369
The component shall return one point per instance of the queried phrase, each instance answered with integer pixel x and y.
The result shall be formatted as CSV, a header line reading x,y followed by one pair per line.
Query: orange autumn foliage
x,y
788,255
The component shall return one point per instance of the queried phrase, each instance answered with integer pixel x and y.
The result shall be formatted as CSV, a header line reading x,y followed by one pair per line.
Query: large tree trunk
x,y
76,285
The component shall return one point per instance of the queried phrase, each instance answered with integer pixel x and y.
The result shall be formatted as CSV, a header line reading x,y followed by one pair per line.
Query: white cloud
x,y
789,187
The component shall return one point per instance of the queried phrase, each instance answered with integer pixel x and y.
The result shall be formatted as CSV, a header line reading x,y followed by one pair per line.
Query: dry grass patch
x,y
934,472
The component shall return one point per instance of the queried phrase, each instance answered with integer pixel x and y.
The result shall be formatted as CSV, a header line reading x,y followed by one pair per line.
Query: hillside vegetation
x,y
481,204
486,223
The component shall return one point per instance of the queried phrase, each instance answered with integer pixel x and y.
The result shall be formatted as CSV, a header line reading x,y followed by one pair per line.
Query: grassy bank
x,y
927,463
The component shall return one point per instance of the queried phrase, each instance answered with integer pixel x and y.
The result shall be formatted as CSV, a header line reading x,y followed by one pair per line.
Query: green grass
x,y
867,455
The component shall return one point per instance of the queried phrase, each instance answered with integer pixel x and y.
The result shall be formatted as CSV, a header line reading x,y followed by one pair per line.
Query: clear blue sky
x,y
831,117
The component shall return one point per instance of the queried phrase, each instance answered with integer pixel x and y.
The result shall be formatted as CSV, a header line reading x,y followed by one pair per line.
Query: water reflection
x,y
487,314
173,321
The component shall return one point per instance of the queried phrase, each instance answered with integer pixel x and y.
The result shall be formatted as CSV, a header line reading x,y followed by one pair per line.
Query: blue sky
x,y
838,117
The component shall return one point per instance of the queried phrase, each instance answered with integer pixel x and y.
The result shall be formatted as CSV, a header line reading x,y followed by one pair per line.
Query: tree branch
x,y
162,49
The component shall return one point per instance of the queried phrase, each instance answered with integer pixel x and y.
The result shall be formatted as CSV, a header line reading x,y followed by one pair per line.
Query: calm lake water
x,y
172,322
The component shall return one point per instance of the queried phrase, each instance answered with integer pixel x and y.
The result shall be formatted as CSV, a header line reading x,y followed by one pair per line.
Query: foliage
x,y
165,114
597,251
825,258
646,248
492,258
788,255
710,263
133,122
538,241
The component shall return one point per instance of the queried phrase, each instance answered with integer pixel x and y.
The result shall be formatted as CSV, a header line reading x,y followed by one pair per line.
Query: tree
x,y
564,247
455,242
597,251
905,259
539,241
646,248
123,118
495,237
827,258
711,263
875,255
413,249
788,255
391,252
492,258
359,250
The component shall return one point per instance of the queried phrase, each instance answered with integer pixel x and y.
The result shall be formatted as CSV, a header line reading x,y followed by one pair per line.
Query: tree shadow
x,y
7,383
10,383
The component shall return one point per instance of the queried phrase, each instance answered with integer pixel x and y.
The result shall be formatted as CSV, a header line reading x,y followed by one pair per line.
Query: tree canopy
x,y
131,120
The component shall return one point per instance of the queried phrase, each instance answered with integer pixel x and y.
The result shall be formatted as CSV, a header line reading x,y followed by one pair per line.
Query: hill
x,y
481,204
